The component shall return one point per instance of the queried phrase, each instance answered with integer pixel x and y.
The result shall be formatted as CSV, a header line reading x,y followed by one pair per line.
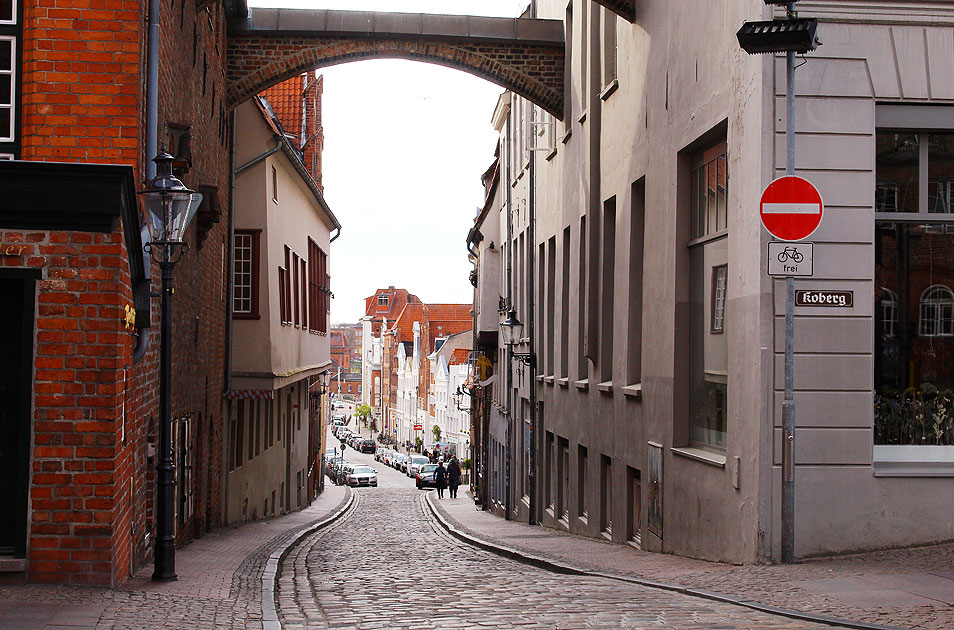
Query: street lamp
x,y
511,329
168,206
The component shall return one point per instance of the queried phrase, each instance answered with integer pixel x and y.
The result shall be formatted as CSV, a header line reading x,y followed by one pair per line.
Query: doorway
x,y
16,347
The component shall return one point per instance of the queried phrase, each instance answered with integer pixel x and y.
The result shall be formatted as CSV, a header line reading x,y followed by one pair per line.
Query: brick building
x,y
81,402
385,304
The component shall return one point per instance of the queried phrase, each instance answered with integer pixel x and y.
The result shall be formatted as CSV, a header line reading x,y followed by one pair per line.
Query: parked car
x,y
362,476
379,453
367,446
415,463
400,462
425,477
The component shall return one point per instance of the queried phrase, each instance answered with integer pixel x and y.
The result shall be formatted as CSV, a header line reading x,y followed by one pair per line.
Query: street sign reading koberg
x,y
791,208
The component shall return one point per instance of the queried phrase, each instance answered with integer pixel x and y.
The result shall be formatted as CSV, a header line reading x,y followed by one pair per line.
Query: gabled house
x,y
279,308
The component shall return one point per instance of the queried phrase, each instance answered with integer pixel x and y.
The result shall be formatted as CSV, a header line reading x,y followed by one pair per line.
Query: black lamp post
x,y
168,206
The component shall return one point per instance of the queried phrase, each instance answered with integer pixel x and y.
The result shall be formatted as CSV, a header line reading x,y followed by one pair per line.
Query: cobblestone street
x,y
390,565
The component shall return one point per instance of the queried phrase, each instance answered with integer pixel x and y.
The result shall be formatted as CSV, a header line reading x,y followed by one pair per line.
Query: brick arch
x,y
533,71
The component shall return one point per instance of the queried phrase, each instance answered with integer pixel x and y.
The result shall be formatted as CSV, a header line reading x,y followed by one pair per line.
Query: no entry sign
x,y
791,208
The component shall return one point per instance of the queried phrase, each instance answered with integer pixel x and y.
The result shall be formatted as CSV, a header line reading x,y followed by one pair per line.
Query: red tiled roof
x,y
286,101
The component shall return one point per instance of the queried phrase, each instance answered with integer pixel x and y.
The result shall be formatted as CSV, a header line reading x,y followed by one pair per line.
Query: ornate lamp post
x,y
168,206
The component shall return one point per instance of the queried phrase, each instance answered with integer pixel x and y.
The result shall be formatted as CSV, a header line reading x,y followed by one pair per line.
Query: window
x,y
551,305
382,300
582,368
914,235
282,293
581,466
708,257
303,276
274,184
608,290
937,312
245,275
888,312
565,307
717,307
9,77
295,289
609,51
637,232
239,434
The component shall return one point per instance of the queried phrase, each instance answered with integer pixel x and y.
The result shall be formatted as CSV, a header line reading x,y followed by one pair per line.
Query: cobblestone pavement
x,y
219,584
390,565
911,588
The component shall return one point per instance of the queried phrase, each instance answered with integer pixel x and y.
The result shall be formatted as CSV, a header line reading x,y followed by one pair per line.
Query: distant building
x,y
385,304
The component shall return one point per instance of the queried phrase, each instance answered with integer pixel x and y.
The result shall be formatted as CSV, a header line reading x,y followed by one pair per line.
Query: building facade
x,y
280,307
78,132
632,251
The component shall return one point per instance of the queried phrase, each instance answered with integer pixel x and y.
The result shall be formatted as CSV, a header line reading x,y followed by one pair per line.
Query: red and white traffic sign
x,y
418,427
791,208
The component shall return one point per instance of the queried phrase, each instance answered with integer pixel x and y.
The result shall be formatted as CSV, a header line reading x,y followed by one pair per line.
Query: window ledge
x,y
583,384
700,455
566,136
551,154
582,117
609,89
548,380
563,382
606,387
913,461
540,378
633,391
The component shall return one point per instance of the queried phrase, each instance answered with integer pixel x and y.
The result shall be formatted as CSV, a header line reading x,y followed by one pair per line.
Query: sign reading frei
x,y
791,208
816,297
790,259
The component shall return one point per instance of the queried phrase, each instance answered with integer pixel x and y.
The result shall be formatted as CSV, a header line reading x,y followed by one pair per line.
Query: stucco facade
x,y
657,332
280,322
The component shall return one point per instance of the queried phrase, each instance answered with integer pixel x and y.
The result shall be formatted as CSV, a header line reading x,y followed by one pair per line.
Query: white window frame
x,y
889,312
936,314
249,246
13,15
8,135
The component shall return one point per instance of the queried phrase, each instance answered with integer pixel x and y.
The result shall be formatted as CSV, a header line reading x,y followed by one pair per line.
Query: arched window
x,y
937,312
889,312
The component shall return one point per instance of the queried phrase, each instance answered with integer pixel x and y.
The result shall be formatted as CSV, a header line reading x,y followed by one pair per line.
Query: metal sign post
x,y
790,35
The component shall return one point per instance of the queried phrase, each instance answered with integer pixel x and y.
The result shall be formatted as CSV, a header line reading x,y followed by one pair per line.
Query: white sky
x,y
405,146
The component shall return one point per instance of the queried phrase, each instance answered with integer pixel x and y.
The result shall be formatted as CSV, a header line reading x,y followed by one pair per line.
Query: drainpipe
x,y
509,366
152,141
531,317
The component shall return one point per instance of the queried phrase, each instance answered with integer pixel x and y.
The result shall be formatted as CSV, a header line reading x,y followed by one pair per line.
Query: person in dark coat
x,y
440,479
453,477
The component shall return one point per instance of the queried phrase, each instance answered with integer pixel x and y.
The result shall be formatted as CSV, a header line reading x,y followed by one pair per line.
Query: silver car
x,y
414,464
362,476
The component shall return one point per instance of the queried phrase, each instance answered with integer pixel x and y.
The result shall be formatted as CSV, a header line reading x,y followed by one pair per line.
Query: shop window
x,y
914,270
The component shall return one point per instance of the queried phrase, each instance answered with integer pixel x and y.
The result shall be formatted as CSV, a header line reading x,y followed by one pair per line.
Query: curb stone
x,y
270,619
561,567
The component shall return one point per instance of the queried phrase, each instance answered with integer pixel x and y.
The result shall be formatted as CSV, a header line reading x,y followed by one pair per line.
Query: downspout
x,y
152,141
509,366
531,317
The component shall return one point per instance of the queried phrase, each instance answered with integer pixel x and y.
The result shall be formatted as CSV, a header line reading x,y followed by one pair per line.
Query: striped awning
x,y
251,394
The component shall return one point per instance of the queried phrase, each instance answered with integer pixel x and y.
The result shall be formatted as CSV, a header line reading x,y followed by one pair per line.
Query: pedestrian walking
x,y
440,479
453,477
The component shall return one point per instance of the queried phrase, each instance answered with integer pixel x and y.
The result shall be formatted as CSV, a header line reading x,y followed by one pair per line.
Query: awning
x,y
251,394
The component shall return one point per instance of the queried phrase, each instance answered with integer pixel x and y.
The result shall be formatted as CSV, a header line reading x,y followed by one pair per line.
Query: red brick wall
x,y
91,493
81,80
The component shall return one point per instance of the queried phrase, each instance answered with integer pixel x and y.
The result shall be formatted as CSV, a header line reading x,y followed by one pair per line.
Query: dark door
x,y
16,348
